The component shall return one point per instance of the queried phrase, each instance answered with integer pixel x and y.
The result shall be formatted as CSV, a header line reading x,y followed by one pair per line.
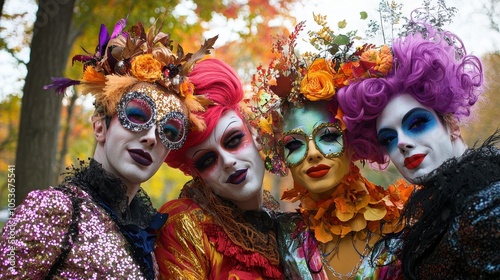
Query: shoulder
x,y
185,216
478,230
479,216
485,201
50,199
179,206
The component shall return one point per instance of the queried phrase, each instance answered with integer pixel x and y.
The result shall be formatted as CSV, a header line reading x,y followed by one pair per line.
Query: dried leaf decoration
x,y
204,50
356,205
137,55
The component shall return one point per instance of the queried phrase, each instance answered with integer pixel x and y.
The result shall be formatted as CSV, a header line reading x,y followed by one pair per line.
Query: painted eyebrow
x,y
316,124
224,132
405,117
411,112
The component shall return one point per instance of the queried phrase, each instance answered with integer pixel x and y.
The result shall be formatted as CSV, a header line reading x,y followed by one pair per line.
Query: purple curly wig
x,y
437,73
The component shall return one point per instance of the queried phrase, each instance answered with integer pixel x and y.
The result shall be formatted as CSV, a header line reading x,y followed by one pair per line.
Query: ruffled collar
x,y
356,205
135,221
246,237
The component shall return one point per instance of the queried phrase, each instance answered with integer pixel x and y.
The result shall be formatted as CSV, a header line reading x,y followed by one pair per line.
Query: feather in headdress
x,y
125,58
113,91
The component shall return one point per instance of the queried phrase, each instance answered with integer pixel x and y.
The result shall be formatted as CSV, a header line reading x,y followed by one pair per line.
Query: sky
x,y
469,24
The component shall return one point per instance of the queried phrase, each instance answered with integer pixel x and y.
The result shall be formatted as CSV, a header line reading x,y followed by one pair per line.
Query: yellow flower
x,y
146,68
318,83
265,125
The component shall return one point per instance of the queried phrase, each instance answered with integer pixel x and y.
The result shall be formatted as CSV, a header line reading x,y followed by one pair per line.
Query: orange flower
x,y
146,68
186,88
318,82
322,235
319,64
382,59
370,55
385,64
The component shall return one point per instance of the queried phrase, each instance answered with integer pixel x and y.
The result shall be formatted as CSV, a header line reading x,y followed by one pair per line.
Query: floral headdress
x,y
123,59
296,79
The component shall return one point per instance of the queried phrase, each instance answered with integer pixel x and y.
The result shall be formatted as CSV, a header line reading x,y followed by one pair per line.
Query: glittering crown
x,y
296,79
125,58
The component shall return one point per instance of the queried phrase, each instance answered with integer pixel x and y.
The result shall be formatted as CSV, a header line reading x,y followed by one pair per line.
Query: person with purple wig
x,y
412,118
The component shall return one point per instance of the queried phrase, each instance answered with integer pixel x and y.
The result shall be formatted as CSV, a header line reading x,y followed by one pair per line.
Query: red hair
x,y
219,83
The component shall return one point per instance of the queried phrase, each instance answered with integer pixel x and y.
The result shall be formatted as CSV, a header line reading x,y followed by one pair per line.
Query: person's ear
x,y
453,128
255,137
99,126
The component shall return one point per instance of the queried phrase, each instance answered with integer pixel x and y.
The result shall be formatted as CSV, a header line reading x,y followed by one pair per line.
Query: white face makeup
x,y
318,160
414,137
134,157
229,161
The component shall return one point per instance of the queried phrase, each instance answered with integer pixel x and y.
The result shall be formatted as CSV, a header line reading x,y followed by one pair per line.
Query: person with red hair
x,y
224,225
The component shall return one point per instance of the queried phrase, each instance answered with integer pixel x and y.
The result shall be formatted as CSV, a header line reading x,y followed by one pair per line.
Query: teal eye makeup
x,y
327,137
172,130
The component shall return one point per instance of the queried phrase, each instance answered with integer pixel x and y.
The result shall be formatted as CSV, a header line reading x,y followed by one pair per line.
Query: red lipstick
x,y
414,161
318,171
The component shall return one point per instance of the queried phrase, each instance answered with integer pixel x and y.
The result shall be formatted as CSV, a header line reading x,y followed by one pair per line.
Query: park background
x,y
42,133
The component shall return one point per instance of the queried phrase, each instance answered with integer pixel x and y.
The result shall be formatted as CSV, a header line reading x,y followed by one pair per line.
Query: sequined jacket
x,y
458,233
42,230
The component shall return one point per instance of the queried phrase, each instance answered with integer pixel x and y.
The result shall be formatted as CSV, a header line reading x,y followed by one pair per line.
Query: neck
x,y
459,147
132,188
255,203
318,196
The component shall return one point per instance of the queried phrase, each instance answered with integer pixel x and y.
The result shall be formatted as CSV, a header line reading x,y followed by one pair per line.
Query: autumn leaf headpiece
x,y
296,79
123,59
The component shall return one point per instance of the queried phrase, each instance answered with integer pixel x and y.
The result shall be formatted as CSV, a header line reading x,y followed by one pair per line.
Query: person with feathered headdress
x,y
99,223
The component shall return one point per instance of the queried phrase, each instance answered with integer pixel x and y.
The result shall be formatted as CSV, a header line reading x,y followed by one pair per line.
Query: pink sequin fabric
x,y
33,237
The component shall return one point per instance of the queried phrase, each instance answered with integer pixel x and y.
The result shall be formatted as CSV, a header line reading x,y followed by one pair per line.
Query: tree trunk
x,y
40,111
65,137
2,3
